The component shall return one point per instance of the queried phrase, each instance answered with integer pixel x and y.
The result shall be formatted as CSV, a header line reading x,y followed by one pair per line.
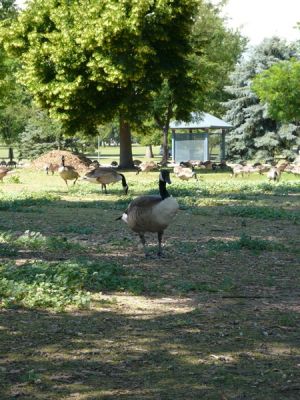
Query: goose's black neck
x,y
124,183
162,190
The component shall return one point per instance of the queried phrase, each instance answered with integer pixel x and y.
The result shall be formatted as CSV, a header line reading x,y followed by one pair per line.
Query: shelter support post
x,y
222,145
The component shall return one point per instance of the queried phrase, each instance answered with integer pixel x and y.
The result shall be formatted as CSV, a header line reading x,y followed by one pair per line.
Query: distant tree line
x,y
71,71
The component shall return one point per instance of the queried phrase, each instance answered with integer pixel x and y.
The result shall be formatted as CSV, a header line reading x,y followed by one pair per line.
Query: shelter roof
x,y
201,121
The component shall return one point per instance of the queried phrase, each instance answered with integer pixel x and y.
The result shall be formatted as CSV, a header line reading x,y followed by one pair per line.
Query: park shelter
x,y
202,138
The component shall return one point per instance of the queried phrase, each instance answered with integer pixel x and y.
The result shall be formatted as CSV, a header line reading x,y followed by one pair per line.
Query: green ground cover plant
x,y
84,315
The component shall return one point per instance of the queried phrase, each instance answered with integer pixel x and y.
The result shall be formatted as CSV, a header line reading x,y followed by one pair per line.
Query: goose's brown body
x,y
152,213
67,172
185,173
3,172
105,176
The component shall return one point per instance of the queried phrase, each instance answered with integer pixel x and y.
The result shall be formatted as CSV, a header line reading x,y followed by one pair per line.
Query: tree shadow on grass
x,y
223,348
216,350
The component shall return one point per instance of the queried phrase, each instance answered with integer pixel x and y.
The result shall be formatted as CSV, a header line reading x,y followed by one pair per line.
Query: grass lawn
x,y
85,316
107,154
112,153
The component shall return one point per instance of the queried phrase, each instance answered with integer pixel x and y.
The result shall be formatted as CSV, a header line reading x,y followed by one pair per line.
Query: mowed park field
x,y
84,315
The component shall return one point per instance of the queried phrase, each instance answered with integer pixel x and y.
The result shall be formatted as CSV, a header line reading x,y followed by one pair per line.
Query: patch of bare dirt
x,y
78,161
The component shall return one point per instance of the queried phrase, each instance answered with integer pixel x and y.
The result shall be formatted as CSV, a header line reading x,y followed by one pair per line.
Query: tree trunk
x,y
126,160
149,151
10,154
165,131
165,155
58,141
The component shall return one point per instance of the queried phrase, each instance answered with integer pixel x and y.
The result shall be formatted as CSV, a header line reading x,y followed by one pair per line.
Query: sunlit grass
x,y
83,210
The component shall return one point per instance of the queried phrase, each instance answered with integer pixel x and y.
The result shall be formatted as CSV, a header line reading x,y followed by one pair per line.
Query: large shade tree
x,y
14,101
256,134
88,61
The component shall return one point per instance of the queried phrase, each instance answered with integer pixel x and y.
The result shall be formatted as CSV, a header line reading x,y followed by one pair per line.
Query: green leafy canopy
x,y
87,60
279,88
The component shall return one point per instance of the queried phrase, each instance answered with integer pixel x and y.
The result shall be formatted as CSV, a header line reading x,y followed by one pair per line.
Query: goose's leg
x,y
159,236
143,240
75,181
103,186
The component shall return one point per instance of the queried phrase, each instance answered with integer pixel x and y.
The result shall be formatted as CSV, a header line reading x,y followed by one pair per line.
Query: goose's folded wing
x,y
99,172
145,201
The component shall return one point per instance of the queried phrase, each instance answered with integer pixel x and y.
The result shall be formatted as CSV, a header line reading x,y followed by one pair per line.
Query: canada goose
x,y
94,164
236,169
186,164
249,169
274,174
208,164
67,172
263,168
294,169
3,172
185,173
136,163
146,166
243,170
152,213
11,164
51,168
105,176
281,166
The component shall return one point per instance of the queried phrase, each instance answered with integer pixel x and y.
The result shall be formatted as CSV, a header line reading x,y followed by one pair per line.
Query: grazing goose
x,y
67,172
274,174
152,213
185,173
105,176
146,166
51,168
294,169
94,164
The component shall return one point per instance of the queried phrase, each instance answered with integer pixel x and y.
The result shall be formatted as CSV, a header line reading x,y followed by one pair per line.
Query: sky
x,y
259,19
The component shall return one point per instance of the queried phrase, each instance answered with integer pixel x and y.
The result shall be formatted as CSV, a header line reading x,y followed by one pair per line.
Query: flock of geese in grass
x,y
148,213
108,175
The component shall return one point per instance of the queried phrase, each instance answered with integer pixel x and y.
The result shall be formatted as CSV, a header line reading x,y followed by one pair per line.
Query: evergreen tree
x,y
39,136
42,134
255,134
